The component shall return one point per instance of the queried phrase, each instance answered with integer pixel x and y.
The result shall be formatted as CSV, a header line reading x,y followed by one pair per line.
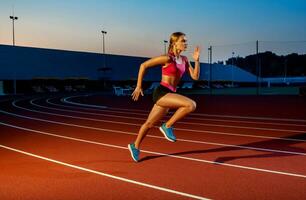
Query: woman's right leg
x,y
156,114
183,104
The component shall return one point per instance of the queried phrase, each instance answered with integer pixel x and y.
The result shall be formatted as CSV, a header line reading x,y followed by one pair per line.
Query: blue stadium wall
x,y
27,63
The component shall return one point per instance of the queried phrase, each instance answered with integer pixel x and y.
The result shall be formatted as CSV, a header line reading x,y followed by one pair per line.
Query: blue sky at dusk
x,y
138,27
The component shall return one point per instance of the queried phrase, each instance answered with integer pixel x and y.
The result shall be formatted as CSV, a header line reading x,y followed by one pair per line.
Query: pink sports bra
x,y
174,69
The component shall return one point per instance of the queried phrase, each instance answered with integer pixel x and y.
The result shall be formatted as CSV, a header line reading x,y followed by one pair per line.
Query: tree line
x,y
271,65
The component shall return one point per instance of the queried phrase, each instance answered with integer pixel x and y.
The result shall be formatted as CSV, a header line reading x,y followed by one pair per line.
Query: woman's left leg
x,y
156,114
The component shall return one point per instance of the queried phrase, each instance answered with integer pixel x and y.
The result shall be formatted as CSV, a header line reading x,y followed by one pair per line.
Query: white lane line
x,y
187,118
195,123
64,100
105,174
129,133
157,153
179,129
81,112
211,115
133,124
114,110
87,105
259,118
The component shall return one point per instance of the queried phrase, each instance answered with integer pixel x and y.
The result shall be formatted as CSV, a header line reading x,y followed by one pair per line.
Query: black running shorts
x,y
159,92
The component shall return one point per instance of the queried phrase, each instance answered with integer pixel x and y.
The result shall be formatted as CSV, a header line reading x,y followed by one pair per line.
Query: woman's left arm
x,y
195,72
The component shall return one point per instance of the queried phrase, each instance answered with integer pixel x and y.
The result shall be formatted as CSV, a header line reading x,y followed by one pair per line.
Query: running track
x,y
75,147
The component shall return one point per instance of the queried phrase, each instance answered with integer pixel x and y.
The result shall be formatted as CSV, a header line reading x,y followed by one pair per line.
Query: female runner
x,y
174,65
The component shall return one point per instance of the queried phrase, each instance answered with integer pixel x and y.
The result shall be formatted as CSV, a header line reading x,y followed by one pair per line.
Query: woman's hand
x,y
135,94
196,54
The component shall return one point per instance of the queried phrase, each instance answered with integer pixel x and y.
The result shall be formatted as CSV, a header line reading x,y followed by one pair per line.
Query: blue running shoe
x,y
168,132
134,152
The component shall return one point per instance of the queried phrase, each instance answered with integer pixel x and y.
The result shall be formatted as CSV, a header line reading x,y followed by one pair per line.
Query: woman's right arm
x,y
160,60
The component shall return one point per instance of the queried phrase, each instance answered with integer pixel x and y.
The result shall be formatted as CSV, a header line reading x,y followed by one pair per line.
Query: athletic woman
x,y
174,65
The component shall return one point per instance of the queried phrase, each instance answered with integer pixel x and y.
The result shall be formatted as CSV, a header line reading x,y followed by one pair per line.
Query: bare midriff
x,y
170,82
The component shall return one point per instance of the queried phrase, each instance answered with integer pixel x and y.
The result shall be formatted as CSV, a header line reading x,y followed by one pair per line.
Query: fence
x,y
260,67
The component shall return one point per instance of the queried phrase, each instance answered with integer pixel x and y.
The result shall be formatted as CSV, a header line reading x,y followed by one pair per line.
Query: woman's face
x,y
181,43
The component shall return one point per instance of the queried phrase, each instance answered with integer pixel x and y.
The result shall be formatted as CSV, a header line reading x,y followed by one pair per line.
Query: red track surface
x,y
230,148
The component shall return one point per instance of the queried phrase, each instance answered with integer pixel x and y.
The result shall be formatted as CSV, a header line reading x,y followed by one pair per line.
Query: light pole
x,y
103,33
13,18
210,69
165,46
257,68
104,57
233,53
103,45
285,71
